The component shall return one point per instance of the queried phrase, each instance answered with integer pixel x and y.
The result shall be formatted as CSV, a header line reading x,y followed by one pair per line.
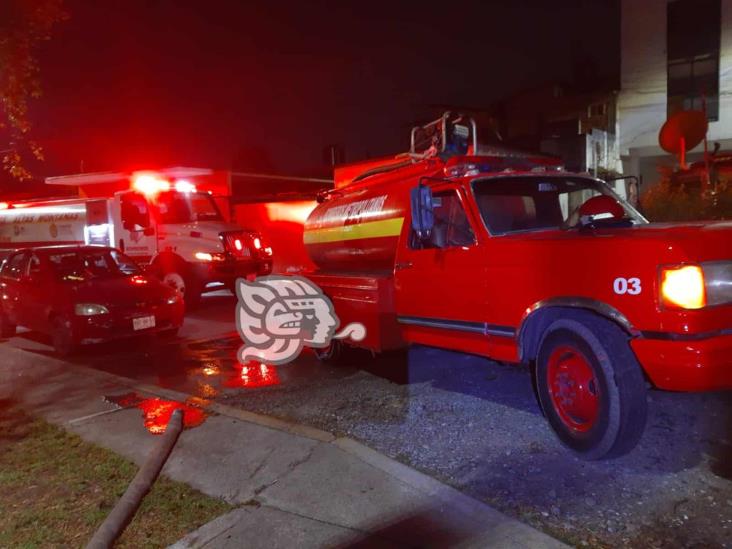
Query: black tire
x,y
7,328
176,274
591,387
331,354
62,336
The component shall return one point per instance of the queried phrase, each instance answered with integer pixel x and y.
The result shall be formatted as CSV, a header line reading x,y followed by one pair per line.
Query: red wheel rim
x,y
573,387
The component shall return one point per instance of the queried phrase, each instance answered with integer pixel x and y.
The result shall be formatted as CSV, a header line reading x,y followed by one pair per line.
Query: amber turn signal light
x,y
683,287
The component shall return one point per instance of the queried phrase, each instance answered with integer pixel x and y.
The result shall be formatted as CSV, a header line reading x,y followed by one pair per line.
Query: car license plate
x,y
143,322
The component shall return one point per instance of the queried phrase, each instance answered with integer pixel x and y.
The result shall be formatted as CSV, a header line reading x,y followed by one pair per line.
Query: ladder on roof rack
x,y
447,136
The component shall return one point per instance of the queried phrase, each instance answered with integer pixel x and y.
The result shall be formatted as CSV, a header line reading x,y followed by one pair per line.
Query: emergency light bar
x,y
466,166
151,184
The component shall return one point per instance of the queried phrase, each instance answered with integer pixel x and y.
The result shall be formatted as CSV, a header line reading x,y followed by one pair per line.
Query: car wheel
x,y
591,387
62,336
330,354
7,328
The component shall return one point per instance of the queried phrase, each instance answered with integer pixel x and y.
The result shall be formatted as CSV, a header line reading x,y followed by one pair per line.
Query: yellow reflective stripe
x,y
371,229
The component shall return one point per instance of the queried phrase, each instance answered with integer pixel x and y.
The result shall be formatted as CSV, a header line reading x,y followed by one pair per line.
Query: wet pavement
x,y
467,421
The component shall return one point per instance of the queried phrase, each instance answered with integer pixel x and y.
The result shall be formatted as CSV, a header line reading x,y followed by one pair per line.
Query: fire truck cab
x,y
161,220
513,258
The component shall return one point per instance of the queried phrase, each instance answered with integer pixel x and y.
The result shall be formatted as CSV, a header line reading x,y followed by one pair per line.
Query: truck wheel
x,y
62,336
330,354
183,284
591,387
7,329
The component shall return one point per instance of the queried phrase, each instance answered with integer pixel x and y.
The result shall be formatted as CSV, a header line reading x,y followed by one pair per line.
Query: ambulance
x,y
160,219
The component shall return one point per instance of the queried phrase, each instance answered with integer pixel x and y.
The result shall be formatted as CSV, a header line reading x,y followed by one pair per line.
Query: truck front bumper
x,y
228,271
687,364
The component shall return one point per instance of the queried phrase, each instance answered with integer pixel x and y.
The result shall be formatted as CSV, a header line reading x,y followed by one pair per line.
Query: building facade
x,y
675,55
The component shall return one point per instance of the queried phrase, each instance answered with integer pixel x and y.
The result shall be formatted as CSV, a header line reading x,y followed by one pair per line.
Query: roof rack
x,y
447,136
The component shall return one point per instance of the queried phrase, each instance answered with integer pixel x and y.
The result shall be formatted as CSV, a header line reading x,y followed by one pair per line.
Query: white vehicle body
x,y
179,235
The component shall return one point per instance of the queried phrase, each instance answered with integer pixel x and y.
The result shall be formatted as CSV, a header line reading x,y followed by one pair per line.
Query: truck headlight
x,y
90,309
206,256
718,282
683,287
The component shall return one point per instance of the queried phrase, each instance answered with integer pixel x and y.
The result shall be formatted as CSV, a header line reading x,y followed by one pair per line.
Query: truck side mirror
x,y
422,209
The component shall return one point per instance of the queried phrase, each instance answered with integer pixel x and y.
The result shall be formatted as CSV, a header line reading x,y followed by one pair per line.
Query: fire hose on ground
x,y
127,506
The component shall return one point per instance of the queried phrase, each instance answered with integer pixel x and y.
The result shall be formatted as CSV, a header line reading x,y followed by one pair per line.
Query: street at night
x,y
388,274
470,422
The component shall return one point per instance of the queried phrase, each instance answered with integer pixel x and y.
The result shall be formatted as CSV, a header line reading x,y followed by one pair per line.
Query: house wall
x,y
641,106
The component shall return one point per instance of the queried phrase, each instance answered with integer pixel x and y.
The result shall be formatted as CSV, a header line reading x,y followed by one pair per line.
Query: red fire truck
x,y
513,258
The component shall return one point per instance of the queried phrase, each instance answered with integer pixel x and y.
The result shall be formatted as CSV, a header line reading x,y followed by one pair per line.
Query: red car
x,y
83,294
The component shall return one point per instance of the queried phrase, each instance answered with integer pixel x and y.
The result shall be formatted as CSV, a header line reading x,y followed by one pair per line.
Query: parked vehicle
x,y
84,294
515,259
167,225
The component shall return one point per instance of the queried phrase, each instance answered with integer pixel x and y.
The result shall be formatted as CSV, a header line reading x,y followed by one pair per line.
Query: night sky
x,y
266,86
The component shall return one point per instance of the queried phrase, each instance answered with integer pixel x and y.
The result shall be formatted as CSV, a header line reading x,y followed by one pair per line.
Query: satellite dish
x,y
682,132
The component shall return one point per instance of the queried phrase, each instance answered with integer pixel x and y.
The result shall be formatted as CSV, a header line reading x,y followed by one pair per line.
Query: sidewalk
x,y
295,486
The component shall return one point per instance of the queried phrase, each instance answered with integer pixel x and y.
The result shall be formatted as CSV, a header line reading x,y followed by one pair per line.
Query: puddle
x,y
156,412
252,376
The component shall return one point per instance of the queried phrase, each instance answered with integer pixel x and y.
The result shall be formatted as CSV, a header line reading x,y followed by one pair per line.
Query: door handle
x,y
404,265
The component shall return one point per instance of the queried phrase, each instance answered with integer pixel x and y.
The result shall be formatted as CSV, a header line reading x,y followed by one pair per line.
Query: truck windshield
x,y
533,203
175,207
81,265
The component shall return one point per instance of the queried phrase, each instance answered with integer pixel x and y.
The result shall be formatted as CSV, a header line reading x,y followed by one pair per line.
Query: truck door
x,y
440,283
136,227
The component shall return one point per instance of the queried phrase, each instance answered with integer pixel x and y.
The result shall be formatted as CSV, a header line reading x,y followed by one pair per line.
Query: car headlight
x,y
697,286
683,287
718,282
90,309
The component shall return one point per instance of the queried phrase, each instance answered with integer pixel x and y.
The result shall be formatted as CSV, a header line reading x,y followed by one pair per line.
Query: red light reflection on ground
x,y
156,412
252,375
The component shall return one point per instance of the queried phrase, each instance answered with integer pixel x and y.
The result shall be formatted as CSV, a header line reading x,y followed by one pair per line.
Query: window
x,y
125,264
14,266
452,227
34,266
693,38
134,210
536,203
175,207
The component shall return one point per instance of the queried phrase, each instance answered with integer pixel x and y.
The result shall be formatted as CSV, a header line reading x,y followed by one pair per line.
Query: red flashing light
x,y
185,186
4,206
149,184
257,243
238,245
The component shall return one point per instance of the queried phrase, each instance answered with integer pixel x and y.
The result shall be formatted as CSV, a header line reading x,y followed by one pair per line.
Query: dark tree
x,y
24,26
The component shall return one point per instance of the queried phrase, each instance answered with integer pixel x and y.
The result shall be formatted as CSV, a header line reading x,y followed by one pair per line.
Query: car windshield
x,y
81,265
176,207
534,203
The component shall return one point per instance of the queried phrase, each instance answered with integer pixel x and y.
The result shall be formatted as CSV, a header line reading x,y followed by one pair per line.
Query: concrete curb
x,y
216,407
520,534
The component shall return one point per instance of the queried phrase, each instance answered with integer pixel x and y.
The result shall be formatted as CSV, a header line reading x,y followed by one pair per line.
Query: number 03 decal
x,y
631,286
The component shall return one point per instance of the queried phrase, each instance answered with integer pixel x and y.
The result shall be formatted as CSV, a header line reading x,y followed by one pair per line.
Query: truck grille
x,y
237,244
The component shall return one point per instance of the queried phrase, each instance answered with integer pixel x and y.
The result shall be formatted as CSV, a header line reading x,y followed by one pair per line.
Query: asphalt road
x,y
470,422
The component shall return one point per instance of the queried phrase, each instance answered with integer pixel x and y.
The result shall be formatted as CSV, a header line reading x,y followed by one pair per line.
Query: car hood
x,y
696,241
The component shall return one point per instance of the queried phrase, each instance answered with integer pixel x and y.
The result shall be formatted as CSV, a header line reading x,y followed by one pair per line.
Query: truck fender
x,y
539,317
166,260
